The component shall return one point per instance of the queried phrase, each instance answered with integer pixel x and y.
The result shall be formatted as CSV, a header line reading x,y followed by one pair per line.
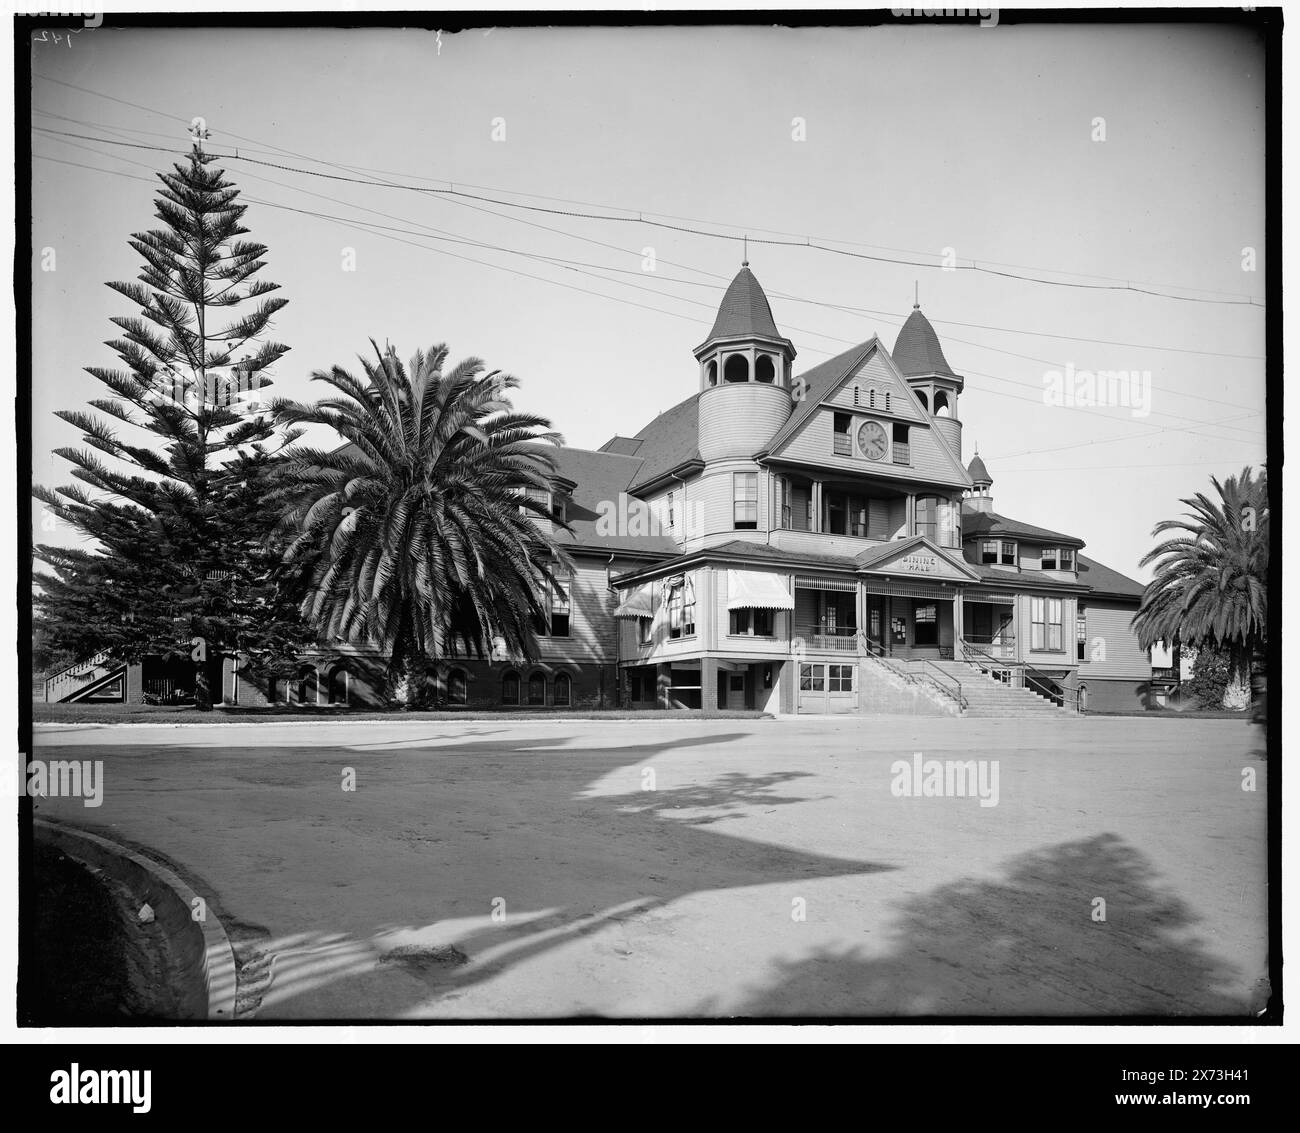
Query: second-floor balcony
x,y
835,639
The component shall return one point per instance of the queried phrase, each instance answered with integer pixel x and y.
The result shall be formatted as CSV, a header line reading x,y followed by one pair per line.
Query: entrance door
x,y
876,618
736,691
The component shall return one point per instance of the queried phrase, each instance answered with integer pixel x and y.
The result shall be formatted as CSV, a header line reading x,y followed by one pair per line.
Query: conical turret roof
x,y
745,312
979,474
917,350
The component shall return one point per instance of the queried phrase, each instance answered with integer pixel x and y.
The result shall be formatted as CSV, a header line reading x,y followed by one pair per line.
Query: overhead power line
x,y
687,229
387,232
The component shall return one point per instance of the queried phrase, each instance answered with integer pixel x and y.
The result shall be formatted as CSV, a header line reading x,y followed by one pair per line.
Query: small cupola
x,y
979,497
745,344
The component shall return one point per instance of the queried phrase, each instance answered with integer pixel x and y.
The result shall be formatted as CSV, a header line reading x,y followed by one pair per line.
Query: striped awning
x,y
753,590
636,604
975,596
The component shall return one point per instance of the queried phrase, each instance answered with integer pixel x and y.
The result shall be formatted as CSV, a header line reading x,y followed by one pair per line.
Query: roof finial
x,y
745,262
916,304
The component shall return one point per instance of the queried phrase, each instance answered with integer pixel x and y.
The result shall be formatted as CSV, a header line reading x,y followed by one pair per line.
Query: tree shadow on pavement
x,y
1027,945
564,859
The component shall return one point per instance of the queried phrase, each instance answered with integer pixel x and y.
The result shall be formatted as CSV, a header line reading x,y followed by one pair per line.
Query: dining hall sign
x,y
920,563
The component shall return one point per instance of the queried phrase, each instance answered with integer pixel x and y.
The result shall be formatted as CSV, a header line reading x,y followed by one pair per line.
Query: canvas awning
x,y
636,604
752,590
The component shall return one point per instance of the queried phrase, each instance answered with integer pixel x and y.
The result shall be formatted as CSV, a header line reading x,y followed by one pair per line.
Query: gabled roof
x,y
669,441
872,558
988,523
917,350
1105,581
822,380
744,311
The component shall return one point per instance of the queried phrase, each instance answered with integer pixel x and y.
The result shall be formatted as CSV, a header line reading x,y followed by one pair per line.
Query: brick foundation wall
x,y
1116,696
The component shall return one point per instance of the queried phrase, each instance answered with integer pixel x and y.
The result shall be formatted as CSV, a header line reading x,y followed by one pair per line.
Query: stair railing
x,y
74,675
918,670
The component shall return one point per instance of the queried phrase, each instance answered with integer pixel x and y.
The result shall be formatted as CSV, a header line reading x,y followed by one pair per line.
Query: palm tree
x,y
1211,582
419,533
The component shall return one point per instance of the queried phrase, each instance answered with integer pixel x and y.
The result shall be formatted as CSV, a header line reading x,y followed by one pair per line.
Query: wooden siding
x,y
814,444
593,634
737,420
1044,658
1108,627
711,495
874,372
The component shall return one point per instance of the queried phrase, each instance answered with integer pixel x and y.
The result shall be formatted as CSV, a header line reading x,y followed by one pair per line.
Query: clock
x,y
872,441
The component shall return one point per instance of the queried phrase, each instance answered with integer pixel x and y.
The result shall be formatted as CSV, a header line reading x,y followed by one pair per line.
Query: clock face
x,y
872,441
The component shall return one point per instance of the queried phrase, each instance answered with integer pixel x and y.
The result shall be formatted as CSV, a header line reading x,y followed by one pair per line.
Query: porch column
x,y
663,681
817,523
709,685
861,596
958,626
911,514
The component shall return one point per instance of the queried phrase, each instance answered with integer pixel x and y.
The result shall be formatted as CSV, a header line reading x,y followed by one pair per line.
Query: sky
x,y
910,143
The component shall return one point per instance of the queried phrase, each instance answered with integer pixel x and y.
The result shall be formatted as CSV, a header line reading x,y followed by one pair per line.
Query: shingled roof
x,y
745,311
669,441
1105,581
917,350
981,523
599,478
979,474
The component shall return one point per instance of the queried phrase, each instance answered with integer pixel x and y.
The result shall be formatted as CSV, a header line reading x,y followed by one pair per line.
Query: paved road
x,y
525,870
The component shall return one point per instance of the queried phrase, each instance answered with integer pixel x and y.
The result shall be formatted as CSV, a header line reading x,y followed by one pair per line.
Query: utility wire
x,y
643,220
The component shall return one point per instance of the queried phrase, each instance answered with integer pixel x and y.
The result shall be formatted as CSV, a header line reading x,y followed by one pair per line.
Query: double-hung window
x,y
744,494
1045,624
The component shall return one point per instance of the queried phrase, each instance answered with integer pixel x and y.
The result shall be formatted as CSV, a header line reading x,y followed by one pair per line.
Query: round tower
x,y
980,496
746,366
919,356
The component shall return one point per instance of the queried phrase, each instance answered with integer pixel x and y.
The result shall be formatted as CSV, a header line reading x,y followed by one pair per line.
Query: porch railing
x,y
834,639
998,646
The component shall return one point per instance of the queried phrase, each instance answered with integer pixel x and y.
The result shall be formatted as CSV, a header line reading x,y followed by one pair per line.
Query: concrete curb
x,y
203,948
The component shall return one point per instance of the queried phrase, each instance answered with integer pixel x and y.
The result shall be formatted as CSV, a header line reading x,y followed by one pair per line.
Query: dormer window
x,y
1008,553
538,496
1057,558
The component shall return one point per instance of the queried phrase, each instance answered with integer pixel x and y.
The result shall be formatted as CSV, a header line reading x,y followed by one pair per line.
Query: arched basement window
x,y
338,684
765,371
563,690
457,686
510,688
537,689
736,369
